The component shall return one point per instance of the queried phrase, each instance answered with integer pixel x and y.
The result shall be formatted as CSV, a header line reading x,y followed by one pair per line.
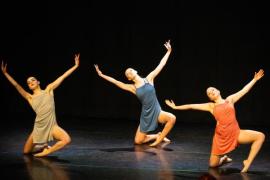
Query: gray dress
x,y
43,105
150,107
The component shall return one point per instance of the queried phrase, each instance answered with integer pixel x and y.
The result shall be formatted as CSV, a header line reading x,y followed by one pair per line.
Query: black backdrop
x,y
214,44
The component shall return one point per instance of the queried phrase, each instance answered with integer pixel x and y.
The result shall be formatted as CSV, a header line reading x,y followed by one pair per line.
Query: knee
x,y
138,141
172,119
261,136
213,164
67,140
26,151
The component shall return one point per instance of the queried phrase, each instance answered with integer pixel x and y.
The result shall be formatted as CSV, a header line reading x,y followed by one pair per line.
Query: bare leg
x,y
63,139
216,161
28,146
165,139
141,137
254,137
169,120
39,148
225,159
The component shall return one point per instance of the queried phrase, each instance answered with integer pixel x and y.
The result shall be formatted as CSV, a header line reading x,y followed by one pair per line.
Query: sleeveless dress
x,y
44,107
227,129
150,107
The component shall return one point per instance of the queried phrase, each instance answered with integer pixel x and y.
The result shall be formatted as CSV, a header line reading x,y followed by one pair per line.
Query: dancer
x,y
227,133
151,113
42,101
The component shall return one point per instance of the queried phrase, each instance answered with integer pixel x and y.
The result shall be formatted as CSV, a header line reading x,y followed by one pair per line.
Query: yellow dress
x,y
44,107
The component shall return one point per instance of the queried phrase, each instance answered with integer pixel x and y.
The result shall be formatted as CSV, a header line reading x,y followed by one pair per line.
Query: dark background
x,y
214,44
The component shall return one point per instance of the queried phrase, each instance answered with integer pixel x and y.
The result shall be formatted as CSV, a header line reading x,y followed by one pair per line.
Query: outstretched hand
x,y
4,67
170,103
98,70
168,45
259,75
77,59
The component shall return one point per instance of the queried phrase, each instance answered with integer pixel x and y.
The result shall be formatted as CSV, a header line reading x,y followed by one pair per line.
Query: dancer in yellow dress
x,y
42,101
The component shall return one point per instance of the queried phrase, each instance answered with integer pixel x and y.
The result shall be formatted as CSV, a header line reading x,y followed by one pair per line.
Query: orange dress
x,y
227,129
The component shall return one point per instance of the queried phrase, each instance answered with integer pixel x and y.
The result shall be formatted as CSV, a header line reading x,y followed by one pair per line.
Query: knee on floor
x,y
213,164
26,151
138,141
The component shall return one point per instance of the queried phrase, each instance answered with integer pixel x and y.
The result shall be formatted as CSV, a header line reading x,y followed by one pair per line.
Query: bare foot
x,y
163,145
246,166
165,139
154,144
39,148
45,152
227,159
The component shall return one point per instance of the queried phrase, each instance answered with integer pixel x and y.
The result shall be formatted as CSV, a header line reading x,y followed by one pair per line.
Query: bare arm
x,y
19,88
202,107
235,97
162,63
128,87
60,79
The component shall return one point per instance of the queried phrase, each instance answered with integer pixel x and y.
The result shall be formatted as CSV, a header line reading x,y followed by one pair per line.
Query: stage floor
x,y
102,149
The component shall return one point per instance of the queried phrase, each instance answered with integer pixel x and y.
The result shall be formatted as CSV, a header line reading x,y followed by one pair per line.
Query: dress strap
x,y
145,80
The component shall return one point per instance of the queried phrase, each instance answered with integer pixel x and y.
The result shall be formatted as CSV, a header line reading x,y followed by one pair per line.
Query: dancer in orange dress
x,y
227,133
227,129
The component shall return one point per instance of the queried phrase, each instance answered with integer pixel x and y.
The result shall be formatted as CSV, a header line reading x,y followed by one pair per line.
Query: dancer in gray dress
x,y
45,128
151,113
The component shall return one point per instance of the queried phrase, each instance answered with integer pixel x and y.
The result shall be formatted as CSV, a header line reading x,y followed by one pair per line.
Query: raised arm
x,y
201,107
60,79
235,97
151,76
19,88
128,87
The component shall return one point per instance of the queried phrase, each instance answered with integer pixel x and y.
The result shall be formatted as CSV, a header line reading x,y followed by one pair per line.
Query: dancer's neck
x,y
37,91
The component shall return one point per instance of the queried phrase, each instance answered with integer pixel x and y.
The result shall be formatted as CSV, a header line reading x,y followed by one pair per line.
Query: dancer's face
x,y
130,73
212,93
32,83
